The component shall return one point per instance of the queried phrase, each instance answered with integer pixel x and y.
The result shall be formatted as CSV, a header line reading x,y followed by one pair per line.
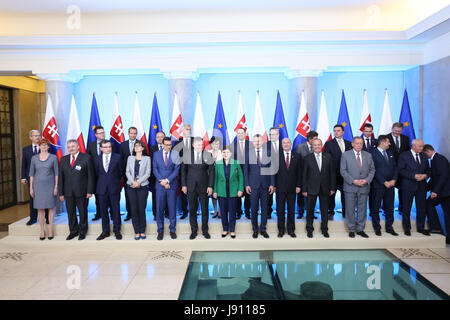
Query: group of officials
x,y
364,170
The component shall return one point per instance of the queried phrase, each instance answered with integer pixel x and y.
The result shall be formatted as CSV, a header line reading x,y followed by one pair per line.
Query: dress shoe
x,y
30,222
193,236
424,232
309,234
292,234
392,232
173,235
183,216
41,238
255,235
264,234
436,231
127,218
82,237
71,236
351,234
224,234
362,234
160,236
143,237
280,234
378,232
96,218
215,216
325,234
232,236
103,235
50,238
407,233
137,237
206,235
118,236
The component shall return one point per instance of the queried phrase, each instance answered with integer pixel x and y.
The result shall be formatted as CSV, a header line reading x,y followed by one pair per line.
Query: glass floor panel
x,y
304,275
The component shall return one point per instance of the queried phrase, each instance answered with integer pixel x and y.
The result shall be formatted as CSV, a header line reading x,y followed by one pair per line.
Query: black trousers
x,y
385,196
433,217
284,198
127,200
138,205
420,196
270,204
184,203
332,204
324,199
72,204
110,201
228,212
194,197
301,203
260,194
247,205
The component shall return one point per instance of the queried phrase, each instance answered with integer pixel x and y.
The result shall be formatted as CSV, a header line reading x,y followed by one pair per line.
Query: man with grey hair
x,y
27,153
357,170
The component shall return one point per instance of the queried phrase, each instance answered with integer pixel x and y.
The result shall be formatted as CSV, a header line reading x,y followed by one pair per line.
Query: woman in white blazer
x,y
138,172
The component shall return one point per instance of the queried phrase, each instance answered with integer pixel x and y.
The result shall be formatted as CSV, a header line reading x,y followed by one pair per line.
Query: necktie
x,y
106,163
242,147
160,148
98,148
166,161
341,145
35,150
417,159
385,155
186,144
199,161
367,143
310,149
73,161
397,143
258,158
359,161
131,147
319,164
287,160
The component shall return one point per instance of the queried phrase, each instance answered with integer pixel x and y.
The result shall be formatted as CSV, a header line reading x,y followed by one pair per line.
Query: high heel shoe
x,y
224,234
42,238
50,238
233,235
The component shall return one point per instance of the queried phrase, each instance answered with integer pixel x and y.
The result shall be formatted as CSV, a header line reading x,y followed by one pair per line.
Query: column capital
x,y
190,75
297,73
66,77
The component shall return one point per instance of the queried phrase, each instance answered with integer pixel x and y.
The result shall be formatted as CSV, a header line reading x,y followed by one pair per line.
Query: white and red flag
x,y
323,125
116,134
50,131
73,129
176,126
240,118
303,125
365,116
386,117
258,121
199,129
137,123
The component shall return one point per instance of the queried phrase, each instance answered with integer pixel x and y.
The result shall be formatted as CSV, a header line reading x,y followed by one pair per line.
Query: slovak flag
x,y
199,129
240,118
176,127
50,131
258,121
74,130
116,133
303,125
323,125
365,116
137,123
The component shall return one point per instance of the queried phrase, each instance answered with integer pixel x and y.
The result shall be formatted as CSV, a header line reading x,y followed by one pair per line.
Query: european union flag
x,y
94,121
278,120
406,119
155,123
220,125
344,120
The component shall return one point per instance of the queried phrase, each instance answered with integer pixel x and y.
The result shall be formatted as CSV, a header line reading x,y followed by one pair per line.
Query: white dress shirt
x,y
414,156
360,156
341,144
318,157
106,156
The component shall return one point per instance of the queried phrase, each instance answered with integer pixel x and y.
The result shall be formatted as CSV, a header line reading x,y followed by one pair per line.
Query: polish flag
x,y
323,125
137,122
199,129
240,119
116,133
176,128
258,121
365,116
386,117
74,130
303,125
50,131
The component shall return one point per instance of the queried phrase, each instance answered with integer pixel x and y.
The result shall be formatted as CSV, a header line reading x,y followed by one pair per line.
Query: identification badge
x,y
78,168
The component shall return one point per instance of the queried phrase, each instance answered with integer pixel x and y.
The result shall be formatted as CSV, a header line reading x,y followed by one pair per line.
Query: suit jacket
x,y
373,144
198,174
236,179
302,149
384,170
404,145
270,146
170,172
408,168
350,171
108,182
314,180
79,180
124,152
144,170
440,176
332,147
286,180
27,154
259,175
242,158
181,149
92,149
152,178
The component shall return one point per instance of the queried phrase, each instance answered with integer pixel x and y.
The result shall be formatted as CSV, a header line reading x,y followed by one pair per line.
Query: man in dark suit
x,y
259,181
126,149
399,144
414,169
369,142
197,181
274,145
303,150
108,167
94,151
27,153
184,146
166,165
382,187
318,179
439,185
155,148
76,184
288,182
240,153
336,148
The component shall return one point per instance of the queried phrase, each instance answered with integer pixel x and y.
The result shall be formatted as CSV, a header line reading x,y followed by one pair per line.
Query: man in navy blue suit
x,y
383,186
414,169
439,185
108,167
166,165
27,153
259,180
369,142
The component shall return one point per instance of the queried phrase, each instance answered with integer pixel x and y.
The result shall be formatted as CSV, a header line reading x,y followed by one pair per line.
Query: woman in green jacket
x,y
228,187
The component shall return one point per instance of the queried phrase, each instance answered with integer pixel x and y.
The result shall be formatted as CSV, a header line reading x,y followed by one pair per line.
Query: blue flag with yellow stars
x,y
94,121
155,123
278,120
406,119
220,126
344,120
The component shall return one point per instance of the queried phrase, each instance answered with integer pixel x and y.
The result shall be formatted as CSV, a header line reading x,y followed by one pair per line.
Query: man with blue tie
x,y
414,169
166,165
259,180
109,173
382,188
